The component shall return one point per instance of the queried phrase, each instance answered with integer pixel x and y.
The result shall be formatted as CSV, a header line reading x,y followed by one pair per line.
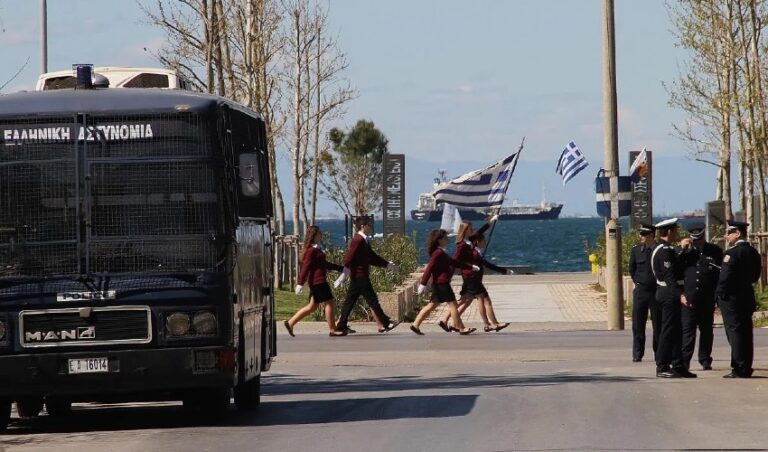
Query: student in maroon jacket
x,y
357,266
440,270
463,253
313,270
473,287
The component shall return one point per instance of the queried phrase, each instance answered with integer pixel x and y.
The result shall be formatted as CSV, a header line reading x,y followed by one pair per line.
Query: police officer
x,y
736,297
699,290
667,267
644,294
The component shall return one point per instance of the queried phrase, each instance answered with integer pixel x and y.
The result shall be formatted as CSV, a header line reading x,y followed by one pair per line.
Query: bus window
x,y
65,82
146,80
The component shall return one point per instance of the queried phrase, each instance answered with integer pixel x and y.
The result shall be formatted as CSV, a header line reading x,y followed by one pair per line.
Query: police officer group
x,y
681,285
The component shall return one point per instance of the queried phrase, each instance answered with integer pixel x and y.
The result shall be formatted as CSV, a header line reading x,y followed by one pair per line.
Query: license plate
x,y
88,366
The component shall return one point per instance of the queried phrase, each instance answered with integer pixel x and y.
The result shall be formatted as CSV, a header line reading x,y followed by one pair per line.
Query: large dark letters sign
x,y
393,200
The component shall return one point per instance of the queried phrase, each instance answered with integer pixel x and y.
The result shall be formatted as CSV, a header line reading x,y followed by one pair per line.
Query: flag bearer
x,y
699,288
644,294
667,267
736,297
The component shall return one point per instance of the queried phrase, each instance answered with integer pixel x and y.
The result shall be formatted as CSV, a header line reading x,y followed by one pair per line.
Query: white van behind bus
x,y
118,77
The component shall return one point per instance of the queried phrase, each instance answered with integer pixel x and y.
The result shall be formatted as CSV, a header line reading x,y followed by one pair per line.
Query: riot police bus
x,y
135,250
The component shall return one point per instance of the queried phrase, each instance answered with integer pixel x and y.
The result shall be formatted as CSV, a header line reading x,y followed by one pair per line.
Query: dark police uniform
x,y
668,268
736,298
699,288
643,298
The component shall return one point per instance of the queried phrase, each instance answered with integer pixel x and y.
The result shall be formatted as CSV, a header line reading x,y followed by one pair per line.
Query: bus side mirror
x,y
249,175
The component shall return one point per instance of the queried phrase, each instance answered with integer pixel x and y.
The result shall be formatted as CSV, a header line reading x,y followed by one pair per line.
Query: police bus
x,y
135,250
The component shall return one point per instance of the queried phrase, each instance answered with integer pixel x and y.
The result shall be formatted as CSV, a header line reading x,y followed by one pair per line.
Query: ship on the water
x,y
428,209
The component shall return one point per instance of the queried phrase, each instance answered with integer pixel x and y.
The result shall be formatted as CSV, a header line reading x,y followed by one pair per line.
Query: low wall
x,y
403,299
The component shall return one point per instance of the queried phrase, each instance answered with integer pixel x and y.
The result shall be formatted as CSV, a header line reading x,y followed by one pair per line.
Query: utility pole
x,y
43,36
613,276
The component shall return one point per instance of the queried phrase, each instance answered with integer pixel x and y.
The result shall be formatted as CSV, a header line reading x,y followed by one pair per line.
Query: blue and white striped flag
x,y
571,162
480,188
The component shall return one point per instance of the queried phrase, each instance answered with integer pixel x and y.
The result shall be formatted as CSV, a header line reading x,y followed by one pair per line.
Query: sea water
x,y
544,245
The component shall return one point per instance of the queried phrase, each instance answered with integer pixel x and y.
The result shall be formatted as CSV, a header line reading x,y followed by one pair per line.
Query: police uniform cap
x,y
696,230
665,225
646,229
736,226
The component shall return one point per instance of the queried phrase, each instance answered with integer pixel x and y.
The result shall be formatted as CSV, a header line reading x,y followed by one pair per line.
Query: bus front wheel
x,y
5,413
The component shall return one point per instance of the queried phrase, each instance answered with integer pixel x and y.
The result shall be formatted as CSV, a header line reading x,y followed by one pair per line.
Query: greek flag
x,y
480,188
571,162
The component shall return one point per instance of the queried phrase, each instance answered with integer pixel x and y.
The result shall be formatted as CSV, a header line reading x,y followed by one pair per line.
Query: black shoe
x,y
416,330
349,330
467,331
444,326
706,367
488,329
736,374
501,326
337,333
685,373
669,373
289,328
390,326
637,360
454,329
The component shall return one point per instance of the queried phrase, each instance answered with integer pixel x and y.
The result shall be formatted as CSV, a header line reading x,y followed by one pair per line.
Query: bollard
x,y
593,260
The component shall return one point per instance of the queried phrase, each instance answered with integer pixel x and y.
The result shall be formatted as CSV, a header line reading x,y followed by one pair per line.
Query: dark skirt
x,y
321,292
442,293
473,287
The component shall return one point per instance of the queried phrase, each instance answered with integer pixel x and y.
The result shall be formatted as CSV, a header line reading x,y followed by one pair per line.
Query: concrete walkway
x,y
541,298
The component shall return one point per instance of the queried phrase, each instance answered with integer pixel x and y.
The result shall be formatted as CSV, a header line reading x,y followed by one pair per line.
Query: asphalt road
x,y
517,390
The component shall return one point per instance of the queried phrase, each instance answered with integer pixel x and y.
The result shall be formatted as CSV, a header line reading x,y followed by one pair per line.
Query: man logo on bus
x,y
81,333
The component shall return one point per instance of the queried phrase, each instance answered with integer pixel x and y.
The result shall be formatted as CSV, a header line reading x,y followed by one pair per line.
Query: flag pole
x,y
498,209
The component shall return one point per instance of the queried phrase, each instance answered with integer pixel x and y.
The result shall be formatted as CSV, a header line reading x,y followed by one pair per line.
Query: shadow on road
x,y
99,418
280,384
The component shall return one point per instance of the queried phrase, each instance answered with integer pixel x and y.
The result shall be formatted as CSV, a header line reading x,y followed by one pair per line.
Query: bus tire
x,y
5,413
248,394
29,407
58,407
208,403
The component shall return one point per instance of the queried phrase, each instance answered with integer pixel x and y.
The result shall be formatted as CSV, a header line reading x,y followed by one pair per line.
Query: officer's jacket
x,y
668,264
741,269
702,273
640,266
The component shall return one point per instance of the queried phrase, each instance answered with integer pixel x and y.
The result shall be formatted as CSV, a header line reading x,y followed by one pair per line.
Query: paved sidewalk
x,y
540,298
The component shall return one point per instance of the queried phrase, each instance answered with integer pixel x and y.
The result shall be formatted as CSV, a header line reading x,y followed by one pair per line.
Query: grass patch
x,y
287,303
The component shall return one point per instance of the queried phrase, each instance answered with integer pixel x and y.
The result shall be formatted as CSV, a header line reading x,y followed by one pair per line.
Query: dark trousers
x,y
360,286
643,300
738,327
669,353
701,317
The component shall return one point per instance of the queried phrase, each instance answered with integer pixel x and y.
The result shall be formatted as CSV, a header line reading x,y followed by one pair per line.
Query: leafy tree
x,y
352,169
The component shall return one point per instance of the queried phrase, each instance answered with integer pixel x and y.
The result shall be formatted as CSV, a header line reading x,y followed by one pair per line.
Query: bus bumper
x,y
168,371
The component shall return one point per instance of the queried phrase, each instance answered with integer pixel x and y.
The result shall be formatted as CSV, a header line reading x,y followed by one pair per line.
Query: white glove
x,y
298,289
342,277
475,268
494,218
393,267
421,289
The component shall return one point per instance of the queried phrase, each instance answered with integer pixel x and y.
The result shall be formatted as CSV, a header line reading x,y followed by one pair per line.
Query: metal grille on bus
x,y
149,199
110,325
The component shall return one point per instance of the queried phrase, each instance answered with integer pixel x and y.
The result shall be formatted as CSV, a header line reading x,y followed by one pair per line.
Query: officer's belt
x,y
679,282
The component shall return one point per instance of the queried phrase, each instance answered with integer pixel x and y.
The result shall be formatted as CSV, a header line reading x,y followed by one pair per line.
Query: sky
x,y
454,85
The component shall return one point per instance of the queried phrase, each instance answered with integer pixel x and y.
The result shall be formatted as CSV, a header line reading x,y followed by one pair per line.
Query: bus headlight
x,y
177,324
2,330
204,323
